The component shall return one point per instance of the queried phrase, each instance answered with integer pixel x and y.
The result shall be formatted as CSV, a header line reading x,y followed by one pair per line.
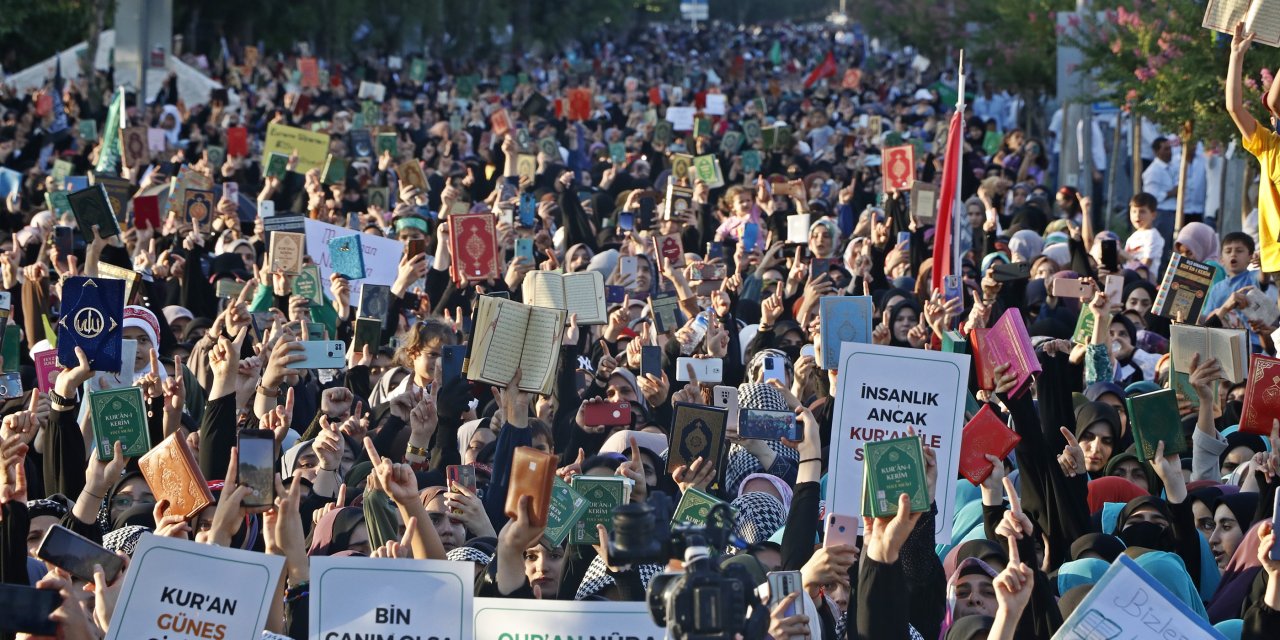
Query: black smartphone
x,y
626,221
256,467
651,361
76,554
1011,272
64,240
644,219
1110,256
451,362
27,609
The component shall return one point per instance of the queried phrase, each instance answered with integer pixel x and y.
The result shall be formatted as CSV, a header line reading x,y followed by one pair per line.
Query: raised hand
x,y
1071,460
633,468
695,476
885,536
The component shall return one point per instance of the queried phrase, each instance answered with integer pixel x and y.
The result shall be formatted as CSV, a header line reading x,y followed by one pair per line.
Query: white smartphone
x,y
628,265
808,350
773,370
266,208
708,370
322,354
726,397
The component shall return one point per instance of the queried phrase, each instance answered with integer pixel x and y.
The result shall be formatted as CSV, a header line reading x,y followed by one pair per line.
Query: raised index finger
x,y
1014,556
1015,504
1071,437
372,451
635,450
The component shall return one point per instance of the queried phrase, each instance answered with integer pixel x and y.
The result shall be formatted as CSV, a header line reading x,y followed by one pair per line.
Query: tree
x,y
1013,44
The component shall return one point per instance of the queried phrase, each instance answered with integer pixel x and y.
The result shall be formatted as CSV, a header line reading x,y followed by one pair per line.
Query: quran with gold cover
x,y
173,474
473,239
1261,396
697,431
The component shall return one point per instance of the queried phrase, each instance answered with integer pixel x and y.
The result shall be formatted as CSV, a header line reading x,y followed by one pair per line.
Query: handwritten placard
x,y
312,147
1128,601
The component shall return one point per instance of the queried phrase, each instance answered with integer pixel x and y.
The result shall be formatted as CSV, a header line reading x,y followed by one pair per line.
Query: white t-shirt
x,y
1145,244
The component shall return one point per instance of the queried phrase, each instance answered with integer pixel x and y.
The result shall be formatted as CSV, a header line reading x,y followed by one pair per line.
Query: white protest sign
x,y
1127,600
512,618
715,104
181,589
883,390
681,118
381,255
390,598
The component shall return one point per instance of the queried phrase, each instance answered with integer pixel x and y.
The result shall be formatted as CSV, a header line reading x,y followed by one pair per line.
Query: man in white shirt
x,y
990,105
1161,181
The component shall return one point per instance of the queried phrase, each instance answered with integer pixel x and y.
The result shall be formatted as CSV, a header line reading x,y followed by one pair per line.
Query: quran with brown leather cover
x,y
171,470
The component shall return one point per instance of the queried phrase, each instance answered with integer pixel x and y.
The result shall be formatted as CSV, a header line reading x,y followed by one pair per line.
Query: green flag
x,y
109,156
775,53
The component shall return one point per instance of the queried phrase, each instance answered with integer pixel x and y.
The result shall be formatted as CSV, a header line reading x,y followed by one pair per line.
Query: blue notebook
x,y
844,319
92,319
346,256
9,180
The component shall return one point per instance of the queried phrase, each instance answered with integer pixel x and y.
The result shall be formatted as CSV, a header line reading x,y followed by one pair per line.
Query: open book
x,y
1229,346
580,293
510,336
1262,17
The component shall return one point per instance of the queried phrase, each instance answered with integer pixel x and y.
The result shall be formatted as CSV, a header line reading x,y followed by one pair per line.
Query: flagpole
x,y
958,216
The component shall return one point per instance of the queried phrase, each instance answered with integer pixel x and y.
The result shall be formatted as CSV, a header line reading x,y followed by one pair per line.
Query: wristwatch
x,y
56,398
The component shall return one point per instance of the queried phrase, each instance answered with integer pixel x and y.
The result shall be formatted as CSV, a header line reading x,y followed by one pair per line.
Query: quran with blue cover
x,y
844,319
92,319
346,256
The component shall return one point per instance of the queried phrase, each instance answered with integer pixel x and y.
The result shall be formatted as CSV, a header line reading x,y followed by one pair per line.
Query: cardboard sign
x,y
381,255
505,618
884,390
390,597
899,168
182,589
681,118
1127,600
312,147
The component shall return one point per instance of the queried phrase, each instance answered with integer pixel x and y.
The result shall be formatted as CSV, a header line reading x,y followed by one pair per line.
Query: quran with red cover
x,y
982,364
237,142
1008,341
1261,396
146,212
171,470
984,434
473,240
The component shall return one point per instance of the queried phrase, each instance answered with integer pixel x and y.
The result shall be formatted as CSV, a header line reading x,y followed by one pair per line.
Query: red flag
x,y
825,70
947,197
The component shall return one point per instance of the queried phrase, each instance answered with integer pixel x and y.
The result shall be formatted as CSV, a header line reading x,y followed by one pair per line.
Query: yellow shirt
x,y
1264,144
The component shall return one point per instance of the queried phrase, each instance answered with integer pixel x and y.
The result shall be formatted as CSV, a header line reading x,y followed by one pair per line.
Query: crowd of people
x,y
363,450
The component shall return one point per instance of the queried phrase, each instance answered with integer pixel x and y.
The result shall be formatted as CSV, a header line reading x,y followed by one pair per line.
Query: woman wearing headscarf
x,y
340,529
1025,246
1132,364
1139,295
1164,525
1082,571
1170,570
1127,465
1238,577
903,317
824,238
1199,241
1101,546
1111,490
1098,432
1232,516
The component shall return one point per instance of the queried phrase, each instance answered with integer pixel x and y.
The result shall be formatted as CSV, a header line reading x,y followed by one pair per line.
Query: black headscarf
x,y
897,309
1243,505
1091,412
1105,545
1144,534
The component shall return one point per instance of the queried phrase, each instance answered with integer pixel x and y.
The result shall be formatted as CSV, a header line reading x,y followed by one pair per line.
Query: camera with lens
x,y
704,602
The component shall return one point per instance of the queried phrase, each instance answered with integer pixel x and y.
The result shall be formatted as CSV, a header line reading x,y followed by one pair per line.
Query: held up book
x,y
666,312
532,473
842,319
146,212
287,249
346,256
697,431
603,494
1084,327
511,335
91,207
1261,396
679,199
893,467
334,171
173,474
983,366
953,342
47,368
985,434
1007,341
580,293
1229,346
119,415
375,301
197,205
473,241
1182,290
92,319
694,508
1259,17
1154,417
307,284
368,331
567,507
118,192
410,172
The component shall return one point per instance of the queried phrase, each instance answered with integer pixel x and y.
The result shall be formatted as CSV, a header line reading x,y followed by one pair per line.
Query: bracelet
x,y
93,495
57,398
270,393
416,451
818,460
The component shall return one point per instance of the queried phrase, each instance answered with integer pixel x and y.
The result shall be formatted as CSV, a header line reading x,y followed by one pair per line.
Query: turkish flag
x,y
947,198
825,70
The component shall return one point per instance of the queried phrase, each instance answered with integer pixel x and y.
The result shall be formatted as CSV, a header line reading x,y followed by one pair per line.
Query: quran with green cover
x,y
567,506
694,508
603,494
119,415
1154,417
893,467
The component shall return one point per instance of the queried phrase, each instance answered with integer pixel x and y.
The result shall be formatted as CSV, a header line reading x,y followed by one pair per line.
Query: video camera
x,y
704,602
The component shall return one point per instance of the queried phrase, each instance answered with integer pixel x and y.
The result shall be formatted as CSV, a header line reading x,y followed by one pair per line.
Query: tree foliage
x,y
32,31
1013,43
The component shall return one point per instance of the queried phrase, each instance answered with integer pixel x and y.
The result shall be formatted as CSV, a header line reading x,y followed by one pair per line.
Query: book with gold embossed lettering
x,y
1008,341
119,415
173,474
894,467
474,243
1261,396
510,336
92,319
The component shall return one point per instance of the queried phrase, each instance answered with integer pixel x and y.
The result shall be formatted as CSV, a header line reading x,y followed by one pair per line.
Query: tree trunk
x,y
88,70
1188,147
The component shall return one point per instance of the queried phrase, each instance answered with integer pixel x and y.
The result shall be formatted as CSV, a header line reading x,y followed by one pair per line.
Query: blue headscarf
x,y
1232,629
1169,570
1082,571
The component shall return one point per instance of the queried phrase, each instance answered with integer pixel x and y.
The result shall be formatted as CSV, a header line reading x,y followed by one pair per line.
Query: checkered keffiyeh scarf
x,y
124,539
758,516
469,554
597,577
